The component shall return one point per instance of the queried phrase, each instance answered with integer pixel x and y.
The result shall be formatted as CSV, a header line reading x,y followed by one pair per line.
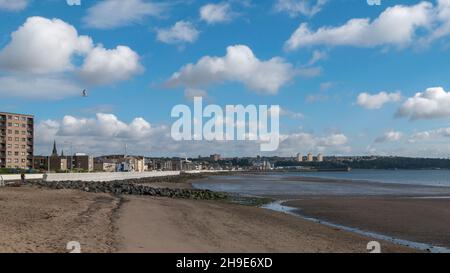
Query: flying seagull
x,y
84,93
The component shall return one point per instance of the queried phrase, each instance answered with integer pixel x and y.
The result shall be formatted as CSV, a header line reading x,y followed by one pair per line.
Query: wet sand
x,y
425,220
417,213
147,224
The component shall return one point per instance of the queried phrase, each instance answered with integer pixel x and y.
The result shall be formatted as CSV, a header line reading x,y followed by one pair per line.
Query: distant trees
x,y
405,163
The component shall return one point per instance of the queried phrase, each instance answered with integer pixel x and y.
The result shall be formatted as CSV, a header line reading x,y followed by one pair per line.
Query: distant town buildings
x,y
122,163
16,140
320,158
215,157
309,158
262,165
63,163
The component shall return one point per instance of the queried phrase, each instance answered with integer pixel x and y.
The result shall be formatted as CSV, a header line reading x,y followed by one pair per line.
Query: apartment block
x,y
16,141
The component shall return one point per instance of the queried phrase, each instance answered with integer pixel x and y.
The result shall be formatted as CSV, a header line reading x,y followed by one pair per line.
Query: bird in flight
x,y
84,93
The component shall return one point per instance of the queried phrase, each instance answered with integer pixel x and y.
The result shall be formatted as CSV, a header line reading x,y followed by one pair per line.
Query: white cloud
x,y
239,65
326,86
291,114
110,14
432,103
39,61
13,5
332,140
317,56
377,101
216,13
363,32
306,142
103,66
106,134
300,7
104,126
309,72
430,135
32,50
100,135
37,87
191,93
389,136
181,32
443,14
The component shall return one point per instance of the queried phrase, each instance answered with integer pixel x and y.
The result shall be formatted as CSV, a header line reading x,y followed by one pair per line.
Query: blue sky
x,y
332,103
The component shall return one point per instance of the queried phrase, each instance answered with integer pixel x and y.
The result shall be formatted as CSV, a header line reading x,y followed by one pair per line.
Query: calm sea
x,y
356,182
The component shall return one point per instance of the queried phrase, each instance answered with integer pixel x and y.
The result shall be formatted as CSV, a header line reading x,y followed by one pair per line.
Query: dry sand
x,y
39,220
168,225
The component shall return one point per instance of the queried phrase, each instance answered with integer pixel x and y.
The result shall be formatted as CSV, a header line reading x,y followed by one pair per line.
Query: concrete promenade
x,y
97,177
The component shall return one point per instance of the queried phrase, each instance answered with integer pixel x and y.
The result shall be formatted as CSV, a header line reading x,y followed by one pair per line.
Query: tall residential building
x,y
215,157
310,157
16,141
320,158
299,157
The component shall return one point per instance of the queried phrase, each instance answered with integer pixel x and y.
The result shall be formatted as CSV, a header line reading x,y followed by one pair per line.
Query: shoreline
x,y
295,211
405,214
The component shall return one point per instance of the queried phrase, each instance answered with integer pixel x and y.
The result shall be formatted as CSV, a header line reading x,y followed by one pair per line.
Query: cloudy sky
x,y
351,79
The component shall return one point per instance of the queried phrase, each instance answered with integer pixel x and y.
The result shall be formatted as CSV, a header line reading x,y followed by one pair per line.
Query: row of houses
x,y
109,163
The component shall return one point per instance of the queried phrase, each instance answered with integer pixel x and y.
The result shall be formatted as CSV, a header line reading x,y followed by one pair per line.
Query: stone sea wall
x,y
129,187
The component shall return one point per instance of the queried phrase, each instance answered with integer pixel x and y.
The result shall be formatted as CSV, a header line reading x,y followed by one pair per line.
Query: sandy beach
x,y
40,220
165,225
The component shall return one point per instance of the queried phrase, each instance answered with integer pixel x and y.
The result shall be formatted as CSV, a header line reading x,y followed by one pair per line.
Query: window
x,y
9,124
24,139
16,118
16,132
17,139
16,153
9,138
23,147
9,131
9,153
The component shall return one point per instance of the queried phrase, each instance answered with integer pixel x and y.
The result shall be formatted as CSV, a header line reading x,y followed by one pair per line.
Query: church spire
x,y
55,152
